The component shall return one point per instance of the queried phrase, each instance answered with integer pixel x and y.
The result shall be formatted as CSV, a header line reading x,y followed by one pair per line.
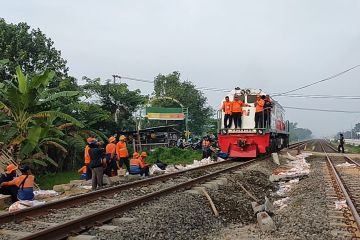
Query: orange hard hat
x,y
112,139
136,154
143,154
122,137
10,168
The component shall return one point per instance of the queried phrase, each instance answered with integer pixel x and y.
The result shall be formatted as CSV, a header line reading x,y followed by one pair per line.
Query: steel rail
x,y
91,196
343,189
62,231
352,161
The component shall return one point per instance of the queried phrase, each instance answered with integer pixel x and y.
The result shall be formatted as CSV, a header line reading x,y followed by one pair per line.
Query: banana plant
x,y
25,117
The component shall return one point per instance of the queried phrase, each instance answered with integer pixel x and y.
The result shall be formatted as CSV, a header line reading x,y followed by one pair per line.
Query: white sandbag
x,y
340,204
156,170
41,194
24,204
290,157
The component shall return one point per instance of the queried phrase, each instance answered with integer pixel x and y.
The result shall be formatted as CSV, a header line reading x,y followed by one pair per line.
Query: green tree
x,y
28,48
112,99
28,124
298,134
186,93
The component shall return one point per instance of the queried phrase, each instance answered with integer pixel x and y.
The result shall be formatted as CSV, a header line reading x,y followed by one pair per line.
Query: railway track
x,y
55,220
342,186
43,222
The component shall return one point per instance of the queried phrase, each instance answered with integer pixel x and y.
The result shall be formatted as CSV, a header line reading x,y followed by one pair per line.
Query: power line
x,y
321,110
321,96
323,80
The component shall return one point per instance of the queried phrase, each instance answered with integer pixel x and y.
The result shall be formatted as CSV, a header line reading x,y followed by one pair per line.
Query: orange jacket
x,y
227,107
111,149
121,149
237,106
29,182
87,155
137,162
260,105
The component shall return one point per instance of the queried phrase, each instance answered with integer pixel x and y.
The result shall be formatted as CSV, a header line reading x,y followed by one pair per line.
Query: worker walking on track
x,y
122,153
227,108
24,185
137,166
341,143
111,166
236,111
259,113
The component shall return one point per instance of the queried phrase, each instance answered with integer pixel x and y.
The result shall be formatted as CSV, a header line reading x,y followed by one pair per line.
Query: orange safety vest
x,y
87,155
260,105
29,182
237,106
137,162
227,106
121,149
82,170
110,148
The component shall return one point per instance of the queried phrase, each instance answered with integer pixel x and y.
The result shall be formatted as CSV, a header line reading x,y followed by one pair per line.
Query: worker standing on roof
x,y
111,166
227,108
236,110
137,166
8,175
24,185
122,153
259,113
87,159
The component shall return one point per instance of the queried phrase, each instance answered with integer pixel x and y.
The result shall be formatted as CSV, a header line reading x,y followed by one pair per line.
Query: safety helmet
x,y
143,154
112,139
10,168
122,137
136,154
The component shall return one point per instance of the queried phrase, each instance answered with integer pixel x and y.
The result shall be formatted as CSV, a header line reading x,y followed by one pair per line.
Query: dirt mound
x,y
233,204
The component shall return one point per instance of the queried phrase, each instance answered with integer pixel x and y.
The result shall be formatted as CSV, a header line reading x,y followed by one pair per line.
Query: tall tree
x,y
185,92
113,99
28,48
298,134
28,124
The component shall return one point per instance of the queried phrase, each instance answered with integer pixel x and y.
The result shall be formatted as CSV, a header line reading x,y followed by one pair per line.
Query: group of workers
x,y
99,161
233,111
18,187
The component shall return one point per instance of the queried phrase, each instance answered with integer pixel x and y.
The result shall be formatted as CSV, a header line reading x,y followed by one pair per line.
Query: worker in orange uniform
x,y
8,175
82,172
87,159
122,153
236,110
259,112
142,157
24,185
227,108
137,166
110,151
206,147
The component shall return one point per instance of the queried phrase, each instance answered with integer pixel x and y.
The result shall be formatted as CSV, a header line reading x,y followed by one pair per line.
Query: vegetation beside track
x,y
174,155
47,181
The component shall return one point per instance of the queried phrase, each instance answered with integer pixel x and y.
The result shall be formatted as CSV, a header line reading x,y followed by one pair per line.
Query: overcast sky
x,y
272,45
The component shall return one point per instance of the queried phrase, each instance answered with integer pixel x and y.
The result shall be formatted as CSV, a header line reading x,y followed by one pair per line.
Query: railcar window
x,y
242,98
251,98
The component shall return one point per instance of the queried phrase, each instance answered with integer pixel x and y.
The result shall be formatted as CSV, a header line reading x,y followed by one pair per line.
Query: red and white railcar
x,y
249,141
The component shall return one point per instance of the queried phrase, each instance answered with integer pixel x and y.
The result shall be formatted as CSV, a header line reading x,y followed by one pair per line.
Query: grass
x,y
174,155
47,181
352,149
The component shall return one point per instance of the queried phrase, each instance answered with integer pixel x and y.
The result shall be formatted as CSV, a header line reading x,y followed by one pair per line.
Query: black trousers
x,y
144,170
237,119
206,152
341,148
259,120
10,190
267,119
227,121
126,161
88,172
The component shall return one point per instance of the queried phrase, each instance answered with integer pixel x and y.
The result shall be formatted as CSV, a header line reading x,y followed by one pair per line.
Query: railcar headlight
x,y
248,91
